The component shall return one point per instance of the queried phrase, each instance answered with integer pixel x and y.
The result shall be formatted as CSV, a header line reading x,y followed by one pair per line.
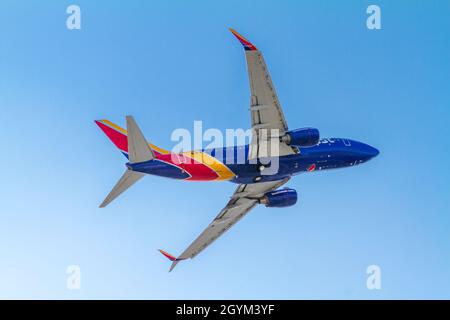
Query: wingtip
x,y
171,258
173,265
167,255
247,44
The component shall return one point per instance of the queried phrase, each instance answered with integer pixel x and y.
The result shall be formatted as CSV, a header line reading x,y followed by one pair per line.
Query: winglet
x,y
247,44
171,258
167,255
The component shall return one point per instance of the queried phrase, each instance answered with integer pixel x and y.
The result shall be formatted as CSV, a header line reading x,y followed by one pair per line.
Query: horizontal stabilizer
x,y
126,181
138,149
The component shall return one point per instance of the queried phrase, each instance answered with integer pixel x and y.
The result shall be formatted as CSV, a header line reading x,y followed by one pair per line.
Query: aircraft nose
x,y
373,152
369,151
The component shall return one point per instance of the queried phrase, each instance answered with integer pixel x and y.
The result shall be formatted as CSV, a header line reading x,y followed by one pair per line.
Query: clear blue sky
x,y
169,63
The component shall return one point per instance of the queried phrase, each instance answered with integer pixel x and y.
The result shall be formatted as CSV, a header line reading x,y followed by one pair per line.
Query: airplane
x,y
298,151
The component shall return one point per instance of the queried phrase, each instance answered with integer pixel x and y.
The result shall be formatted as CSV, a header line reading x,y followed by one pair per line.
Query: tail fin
x,y
138,151
118,136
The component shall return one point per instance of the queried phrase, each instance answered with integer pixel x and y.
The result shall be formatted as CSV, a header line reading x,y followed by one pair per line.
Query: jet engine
x,y
304,137
280,198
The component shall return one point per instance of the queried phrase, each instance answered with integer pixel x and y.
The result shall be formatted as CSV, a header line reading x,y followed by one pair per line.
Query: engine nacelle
x,y
304,137
280,198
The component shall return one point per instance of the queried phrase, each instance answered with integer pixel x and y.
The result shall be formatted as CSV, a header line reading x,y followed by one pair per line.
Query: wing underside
x,y
268,126
245,198
267,118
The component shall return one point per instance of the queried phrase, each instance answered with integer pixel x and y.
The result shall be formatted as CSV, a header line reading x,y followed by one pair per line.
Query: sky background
x,y
169,63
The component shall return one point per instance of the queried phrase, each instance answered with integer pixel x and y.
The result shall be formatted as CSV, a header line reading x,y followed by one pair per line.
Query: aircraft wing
x,y
265,109
243,200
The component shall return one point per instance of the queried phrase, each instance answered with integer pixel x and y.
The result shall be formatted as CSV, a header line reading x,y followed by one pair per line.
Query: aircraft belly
x,y
160,168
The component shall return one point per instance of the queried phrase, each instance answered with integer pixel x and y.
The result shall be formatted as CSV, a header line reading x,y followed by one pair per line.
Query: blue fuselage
x,y
330,153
